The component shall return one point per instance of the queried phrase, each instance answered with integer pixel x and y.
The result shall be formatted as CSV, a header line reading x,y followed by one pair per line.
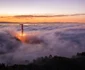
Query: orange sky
x,y
79,19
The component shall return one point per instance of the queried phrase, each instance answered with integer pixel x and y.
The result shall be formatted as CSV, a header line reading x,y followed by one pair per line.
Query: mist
x,y
42,40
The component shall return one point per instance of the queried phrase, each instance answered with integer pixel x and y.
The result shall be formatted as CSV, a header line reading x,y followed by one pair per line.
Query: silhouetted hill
x,y
52,63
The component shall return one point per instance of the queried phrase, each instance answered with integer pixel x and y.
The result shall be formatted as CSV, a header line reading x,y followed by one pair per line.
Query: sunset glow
x,y
42,34
80,18
10,8
21,37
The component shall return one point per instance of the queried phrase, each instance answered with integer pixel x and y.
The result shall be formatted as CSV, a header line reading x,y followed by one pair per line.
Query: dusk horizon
x,y
80,18
42,34
38,10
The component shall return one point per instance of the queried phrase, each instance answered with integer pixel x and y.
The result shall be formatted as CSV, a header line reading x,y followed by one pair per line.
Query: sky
x,y
41,7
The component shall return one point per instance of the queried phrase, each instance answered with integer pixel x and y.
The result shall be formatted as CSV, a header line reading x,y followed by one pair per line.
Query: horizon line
x,y
42,15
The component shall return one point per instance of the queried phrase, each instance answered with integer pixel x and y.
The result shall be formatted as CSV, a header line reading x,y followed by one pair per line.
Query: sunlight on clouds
x,y
80,18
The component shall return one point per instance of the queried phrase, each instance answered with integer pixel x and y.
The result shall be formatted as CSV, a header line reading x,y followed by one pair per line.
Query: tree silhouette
x,y
51,63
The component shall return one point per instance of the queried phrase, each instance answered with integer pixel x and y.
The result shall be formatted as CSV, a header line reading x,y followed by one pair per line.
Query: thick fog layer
x,y
58,39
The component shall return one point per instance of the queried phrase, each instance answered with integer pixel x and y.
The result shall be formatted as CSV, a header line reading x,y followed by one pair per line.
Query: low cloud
x,y
62,40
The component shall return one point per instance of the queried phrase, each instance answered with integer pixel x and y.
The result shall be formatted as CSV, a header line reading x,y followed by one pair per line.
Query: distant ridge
x,y
47,15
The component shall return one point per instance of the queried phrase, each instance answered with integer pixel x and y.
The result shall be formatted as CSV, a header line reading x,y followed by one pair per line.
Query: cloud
x,y
61,39
61,15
